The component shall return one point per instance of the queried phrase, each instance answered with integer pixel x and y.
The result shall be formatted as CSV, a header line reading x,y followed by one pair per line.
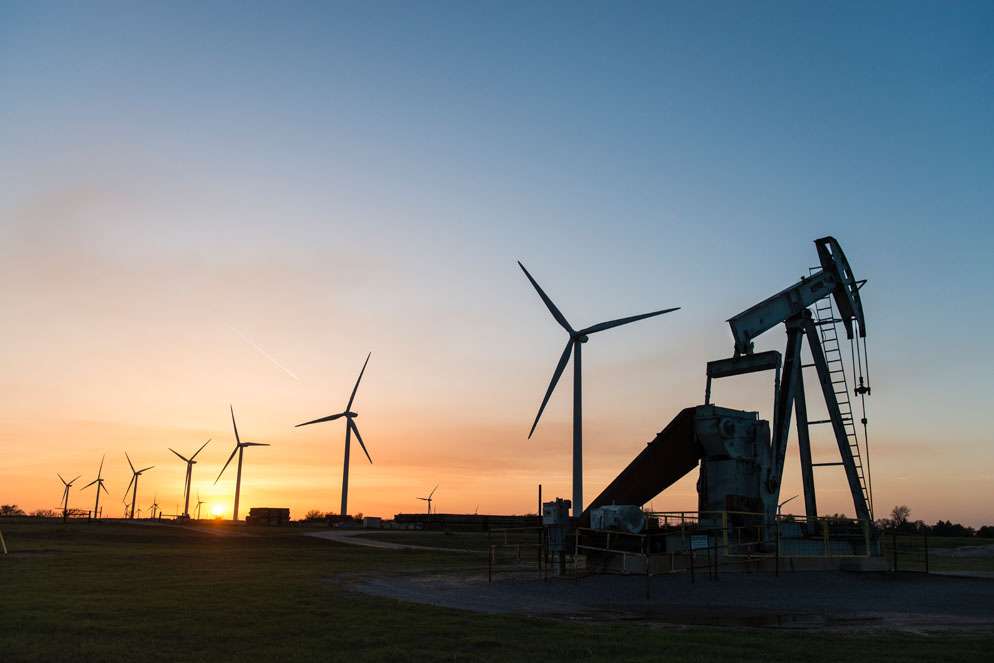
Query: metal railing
x,y
506,545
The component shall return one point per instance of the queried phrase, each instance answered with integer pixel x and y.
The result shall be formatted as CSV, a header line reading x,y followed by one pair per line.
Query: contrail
x,y
264,354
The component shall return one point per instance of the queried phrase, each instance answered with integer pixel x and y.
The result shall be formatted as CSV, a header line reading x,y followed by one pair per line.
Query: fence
x,y
516,549
905,551
749,534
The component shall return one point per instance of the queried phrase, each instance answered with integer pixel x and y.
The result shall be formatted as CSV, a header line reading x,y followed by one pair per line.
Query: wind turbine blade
x,y
129,461
226,464
200,449
234,425
423,499
255,444
100,471
104,488
560,367
128,489
556,313
432,491
88,485
624,321
355,429
74,480
330,417
60,477
185,460
146,469
356,387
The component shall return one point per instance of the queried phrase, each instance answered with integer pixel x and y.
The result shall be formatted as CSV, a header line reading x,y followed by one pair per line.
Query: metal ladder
x,y
827,323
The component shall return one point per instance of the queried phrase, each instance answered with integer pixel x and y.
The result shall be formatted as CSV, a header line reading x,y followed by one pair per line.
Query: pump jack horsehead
x,y
832,281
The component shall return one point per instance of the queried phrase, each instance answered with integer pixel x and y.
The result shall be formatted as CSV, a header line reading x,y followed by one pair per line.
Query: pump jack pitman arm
x,y
835,277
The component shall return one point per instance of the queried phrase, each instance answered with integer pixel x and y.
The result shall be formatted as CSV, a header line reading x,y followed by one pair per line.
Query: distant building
x,y
372,522
269,516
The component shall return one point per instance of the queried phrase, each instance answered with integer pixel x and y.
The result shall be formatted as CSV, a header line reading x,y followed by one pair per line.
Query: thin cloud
x,y
265,354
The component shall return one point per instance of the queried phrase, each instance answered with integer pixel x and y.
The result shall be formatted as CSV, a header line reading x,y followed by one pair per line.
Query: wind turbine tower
x,y
135,475
573,346
100,486
190,462
428,498
65,495
240,450
350,427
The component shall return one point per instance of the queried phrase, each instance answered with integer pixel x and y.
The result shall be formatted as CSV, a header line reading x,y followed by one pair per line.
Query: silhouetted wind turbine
x,y
199,503
65,494
190,462
155,506
428,499
573,345
350,427
239,449
100,486
135,474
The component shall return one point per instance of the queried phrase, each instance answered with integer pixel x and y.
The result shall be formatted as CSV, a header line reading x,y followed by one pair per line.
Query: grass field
x,y
116,592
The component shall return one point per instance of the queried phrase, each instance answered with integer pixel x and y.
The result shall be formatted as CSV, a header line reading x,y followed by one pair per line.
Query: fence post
x,y
715,558
645,552
776,549
926,550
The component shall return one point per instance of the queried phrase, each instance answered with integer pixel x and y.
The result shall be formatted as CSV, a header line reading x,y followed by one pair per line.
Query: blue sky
x,y
330,178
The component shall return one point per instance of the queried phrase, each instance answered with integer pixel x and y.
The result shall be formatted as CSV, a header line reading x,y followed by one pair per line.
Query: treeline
x,y
900,520
14,510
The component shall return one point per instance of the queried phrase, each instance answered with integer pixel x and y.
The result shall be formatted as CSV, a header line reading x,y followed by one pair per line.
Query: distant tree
x,y
43,513
987,532
313,514
10,510
899,515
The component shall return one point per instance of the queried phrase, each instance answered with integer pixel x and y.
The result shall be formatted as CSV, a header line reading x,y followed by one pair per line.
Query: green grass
x,y
114,592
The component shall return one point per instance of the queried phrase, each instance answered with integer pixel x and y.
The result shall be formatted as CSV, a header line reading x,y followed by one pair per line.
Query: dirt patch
x,y
835,601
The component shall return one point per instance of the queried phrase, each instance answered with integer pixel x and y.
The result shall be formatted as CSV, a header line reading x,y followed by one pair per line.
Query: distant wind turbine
x,y
190,462
135,475
239,449
65,495
350,427
573,345
155,506
200,502
428,498
100,486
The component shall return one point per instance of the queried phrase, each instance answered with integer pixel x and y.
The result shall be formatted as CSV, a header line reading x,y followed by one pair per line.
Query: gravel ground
x,y
835,600
964,551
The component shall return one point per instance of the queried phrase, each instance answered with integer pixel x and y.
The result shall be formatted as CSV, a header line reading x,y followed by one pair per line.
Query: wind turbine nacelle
x,y
351,415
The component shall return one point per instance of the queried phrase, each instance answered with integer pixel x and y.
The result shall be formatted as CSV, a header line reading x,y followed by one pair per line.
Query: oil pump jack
x,y
832,282
741,461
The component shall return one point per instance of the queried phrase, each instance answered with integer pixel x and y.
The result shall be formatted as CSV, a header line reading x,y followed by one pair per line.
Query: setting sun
x,y
216,510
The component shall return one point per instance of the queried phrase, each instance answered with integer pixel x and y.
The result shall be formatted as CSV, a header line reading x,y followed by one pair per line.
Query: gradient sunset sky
x,y
214,203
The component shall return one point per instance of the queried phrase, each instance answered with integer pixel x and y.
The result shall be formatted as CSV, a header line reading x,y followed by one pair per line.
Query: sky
x,y
204,204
